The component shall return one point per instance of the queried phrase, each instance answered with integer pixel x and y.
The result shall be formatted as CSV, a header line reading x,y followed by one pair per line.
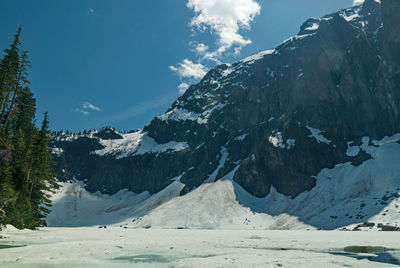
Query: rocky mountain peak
x,y
273,120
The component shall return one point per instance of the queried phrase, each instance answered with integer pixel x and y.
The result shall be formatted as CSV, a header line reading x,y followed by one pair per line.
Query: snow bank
x,y
138,143
214,206
345,194
74,206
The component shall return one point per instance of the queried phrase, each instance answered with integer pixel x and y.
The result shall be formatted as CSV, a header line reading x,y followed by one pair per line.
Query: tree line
x,y
26,169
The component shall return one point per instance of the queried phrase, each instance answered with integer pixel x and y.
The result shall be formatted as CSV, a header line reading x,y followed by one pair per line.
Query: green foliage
x,y
26,173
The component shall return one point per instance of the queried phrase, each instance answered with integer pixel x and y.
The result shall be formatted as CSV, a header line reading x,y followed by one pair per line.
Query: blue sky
x,y
123,62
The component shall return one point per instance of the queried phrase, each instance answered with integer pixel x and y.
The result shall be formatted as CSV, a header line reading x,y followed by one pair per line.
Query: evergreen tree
x,y
26,169
7,193
43,178
9,72
20,81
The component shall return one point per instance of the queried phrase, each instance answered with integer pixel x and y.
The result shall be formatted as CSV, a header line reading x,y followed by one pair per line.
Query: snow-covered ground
x,y
119,247
214,206
344,196
73,206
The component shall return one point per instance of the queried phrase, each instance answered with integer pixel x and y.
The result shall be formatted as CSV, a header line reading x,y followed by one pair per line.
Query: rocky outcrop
x,y
275,119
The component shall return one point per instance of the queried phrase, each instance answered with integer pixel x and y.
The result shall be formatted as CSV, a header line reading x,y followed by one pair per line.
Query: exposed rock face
x,y
276,118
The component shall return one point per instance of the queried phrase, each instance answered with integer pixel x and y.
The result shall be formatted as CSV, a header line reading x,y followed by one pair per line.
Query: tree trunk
x,y
4,105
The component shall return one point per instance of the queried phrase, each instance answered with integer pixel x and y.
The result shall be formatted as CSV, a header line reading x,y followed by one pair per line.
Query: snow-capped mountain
x,y
305,134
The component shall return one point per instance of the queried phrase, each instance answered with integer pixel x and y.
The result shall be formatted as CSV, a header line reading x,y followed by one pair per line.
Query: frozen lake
x,y
119,247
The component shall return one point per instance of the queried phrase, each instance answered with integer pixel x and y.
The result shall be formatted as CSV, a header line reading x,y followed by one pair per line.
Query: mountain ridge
x,y
273,120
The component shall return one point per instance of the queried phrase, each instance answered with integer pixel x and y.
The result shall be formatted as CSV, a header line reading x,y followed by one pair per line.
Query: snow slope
x,y
213,206
344,195
73,206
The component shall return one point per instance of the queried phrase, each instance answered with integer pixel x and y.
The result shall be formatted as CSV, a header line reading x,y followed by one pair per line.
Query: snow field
x,y
119,247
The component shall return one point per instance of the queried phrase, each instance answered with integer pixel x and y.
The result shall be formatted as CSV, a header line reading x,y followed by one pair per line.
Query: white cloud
x,y
91,11
225,18
201,48
86,108
189,69
183,87
357,2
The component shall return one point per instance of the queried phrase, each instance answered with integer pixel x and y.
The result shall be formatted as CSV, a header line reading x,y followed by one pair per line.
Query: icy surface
x,y
116,247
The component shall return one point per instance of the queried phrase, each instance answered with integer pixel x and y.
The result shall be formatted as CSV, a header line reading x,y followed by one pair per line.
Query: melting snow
x,y
228,71
138,143
241,137
350,17
258,56
277,141
57,151
352,150
313,27
222,160
317,134
116,247
290,143
178,114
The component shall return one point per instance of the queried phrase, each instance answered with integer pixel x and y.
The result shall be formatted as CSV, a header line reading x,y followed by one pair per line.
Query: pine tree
x,y
26,169
42,179
9,72
26,109
18,84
